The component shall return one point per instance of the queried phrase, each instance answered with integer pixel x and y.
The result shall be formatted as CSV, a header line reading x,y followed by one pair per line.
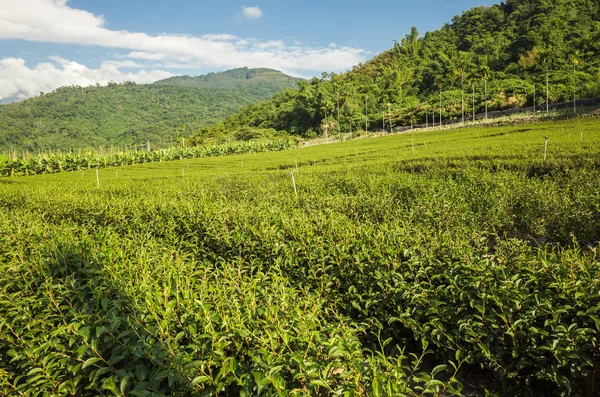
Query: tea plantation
x,y
458,262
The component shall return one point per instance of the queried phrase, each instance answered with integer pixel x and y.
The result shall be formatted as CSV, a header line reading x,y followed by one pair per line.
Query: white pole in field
x,y
97,177
294,183
545,148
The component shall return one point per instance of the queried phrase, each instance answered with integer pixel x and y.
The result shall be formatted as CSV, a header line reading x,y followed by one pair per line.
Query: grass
x,y
394,271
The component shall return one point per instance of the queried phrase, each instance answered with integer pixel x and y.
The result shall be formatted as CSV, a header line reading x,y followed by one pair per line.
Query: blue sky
x,y
48,43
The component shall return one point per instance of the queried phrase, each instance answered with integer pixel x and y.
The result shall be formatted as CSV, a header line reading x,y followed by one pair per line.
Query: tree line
x,y
514,54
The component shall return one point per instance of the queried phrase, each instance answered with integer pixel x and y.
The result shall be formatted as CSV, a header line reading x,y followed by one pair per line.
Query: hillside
x,y
267,79
131,114
497,57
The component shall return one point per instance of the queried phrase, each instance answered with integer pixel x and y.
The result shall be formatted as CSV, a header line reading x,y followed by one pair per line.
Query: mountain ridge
x,y
130,114
227,78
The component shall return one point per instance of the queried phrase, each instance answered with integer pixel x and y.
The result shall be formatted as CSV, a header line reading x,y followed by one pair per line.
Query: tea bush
x,y
392,271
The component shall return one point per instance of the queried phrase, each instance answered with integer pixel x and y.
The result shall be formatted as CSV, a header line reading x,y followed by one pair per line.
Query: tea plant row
x,y
393,271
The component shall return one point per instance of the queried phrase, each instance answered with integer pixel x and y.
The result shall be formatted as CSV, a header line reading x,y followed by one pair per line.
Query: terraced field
x,y
427,263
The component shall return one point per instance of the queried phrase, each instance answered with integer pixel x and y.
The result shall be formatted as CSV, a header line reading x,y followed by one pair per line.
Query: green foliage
x,y
402,264
132,114
53,163
267,80
511,45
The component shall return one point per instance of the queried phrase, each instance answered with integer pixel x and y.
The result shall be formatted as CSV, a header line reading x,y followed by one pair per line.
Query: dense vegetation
x,y
267,80
49,163
132,114
500,56
476,246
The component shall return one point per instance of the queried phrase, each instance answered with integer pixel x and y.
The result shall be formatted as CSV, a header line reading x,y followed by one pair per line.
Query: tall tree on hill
x,y
440,86
411,44
545,59
461,64
325,101
528,62
397,76
473,78
575,59
484,73
366,116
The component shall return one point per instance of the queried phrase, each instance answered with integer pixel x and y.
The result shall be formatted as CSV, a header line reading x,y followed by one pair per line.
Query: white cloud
x,y
219,37
18,81
36,20
251,12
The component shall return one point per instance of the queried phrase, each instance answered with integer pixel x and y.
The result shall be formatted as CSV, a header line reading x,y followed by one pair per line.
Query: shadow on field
x,y
6,181
97,344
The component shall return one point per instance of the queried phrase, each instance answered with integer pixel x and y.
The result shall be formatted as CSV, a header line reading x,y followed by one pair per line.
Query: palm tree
x,y
337,95
389,106
440,86
484,71
545,58
366,116
575,59
472,80
460,65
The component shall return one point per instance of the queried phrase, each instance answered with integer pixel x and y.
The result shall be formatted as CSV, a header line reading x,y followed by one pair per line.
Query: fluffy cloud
x,y
18,81
36,20
251,13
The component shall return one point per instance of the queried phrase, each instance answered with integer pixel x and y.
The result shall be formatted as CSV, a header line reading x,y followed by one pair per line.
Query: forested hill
x,y
511,48
266,79
132,114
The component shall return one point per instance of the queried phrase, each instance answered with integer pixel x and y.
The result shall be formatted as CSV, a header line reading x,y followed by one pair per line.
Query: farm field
x,y
457,262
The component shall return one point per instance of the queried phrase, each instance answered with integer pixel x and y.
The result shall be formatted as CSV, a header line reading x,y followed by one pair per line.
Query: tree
x,y
411,44
440,87
544,59
575,59
484,72
461,65
528,62
337,95
472,80
366,116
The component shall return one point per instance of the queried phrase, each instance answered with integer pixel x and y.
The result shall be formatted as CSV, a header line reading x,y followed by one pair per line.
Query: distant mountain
x,y
12,99
235,78
131,114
